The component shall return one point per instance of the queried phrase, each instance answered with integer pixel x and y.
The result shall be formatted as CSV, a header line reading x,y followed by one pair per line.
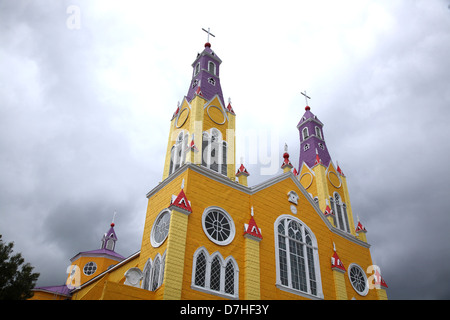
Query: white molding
x,y
230,219
153,242
224,262
366,290
316,260
252,190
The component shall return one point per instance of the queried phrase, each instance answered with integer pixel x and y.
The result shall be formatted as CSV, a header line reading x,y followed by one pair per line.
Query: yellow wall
x,y
269,204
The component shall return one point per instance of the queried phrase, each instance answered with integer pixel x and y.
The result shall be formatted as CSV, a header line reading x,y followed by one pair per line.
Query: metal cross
x,y
306,97
209,33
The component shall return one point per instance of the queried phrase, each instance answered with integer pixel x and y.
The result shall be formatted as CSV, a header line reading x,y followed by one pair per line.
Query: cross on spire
x,y
306,97
209,33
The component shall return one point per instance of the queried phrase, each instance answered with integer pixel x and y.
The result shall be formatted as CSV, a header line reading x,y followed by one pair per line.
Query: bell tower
x,y
202,127
325,182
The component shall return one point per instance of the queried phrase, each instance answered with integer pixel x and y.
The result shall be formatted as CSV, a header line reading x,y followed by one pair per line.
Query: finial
x,y
114,216
182,184
252,212
334,246
285,148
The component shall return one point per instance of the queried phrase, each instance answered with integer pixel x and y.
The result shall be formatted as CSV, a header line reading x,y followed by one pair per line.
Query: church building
x,y
208,235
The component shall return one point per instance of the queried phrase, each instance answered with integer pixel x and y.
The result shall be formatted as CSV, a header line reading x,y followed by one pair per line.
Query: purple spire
x,y
312,141
206,75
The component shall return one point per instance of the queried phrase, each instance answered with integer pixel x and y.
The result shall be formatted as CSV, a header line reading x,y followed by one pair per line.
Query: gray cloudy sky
x,y
84,116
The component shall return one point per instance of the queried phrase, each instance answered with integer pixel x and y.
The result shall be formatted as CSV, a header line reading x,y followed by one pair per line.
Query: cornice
x,y
252,190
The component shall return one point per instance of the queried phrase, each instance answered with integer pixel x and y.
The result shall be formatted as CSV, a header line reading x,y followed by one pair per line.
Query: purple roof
x,y
100,252
63,290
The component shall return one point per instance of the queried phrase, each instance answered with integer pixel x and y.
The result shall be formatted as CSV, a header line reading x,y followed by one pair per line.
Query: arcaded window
x,y
214,274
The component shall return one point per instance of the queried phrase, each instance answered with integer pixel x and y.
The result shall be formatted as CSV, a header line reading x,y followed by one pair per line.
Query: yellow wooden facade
x,y
256,260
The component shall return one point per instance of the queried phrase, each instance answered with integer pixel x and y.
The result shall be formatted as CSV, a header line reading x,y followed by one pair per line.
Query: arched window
x,y
110,244
154,272
297,258
214,151
305,133
147,274
215,275
212,67
197,69
318,132
340,210
178,152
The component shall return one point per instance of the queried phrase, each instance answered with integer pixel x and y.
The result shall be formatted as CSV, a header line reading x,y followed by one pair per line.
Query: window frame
x,y
214,67
154,277
340,212
305,136
213,140
366,281
318,132
315,257
178,151
153,241
94,267
232,234
209,259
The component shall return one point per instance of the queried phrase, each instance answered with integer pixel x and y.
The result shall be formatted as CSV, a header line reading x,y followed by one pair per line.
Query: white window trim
x,y
232,231
94,266
154,277
197,69
289,288
181,144
218,145
366,289
344,213
303,133
223,262
214,67
153,242
318,132
306,147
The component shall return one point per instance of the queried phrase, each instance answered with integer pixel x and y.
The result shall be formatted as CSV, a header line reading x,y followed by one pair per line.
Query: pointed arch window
x,y
340,210
154,272
214,274
297,258
214,151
